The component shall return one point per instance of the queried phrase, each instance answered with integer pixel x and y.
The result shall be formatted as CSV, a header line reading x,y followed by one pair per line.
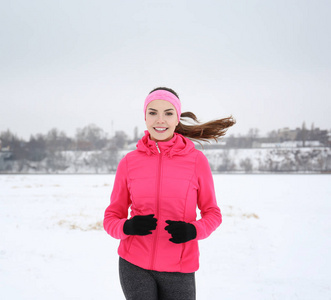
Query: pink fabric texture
x,y
164,95
170,185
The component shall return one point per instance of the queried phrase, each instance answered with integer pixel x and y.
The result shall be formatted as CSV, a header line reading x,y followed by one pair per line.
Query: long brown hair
x,y
212,130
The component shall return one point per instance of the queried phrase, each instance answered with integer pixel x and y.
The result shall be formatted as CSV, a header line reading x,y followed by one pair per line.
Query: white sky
x,y
67,64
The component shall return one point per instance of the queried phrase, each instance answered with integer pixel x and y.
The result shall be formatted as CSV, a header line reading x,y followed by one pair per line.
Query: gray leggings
x,y
141,284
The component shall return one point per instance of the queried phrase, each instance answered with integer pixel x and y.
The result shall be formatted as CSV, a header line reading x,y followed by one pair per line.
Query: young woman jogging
x,y
162,182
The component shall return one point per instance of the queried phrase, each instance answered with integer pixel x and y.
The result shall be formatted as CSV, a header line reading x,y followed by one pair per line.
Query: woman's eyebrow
x,y
156,109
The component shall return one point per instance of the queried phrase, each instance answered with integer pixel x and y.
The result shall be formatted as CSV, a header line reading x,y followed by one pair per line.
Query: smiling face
x,y
161,120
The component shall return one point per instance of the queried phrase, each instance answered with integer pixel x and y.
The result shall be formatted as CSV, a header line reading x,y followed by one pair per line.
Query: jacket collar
x,y
178,145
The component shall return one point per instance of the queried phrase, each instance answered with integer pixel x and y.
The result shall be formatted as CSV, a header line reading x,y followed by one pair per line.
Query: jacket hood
x,y
178,145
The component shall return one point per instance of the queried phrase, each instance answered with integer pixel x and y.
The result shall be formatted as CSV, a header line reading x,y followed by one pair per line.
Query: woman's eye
x,y
152,113
169,114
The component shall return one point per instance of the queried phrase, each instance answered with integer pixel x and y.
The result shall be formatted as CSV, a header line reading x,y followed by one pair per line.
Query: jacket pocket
x,y
182,252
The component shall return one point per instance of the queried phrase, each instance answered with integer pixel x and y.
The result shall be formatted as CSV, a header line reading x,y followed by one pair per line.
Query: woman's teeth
x,y
160,129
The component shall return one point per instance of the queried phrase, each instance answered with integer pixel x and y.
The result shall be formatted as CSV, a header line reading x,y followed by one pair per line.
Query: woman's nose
x,y
160,119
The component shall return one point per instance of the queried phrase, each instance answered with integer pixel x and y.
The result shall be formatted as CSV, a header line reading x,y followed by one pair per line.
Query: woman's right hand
x,y
140,225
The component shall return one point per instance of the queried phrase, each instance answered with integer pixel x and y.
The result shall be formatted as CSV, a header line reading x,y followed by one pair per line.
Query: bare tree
x,y
91,137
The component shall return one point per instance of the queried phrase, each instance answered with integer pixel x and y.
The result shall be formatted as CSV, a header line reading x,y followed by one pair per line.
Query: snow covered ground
x,y
274,242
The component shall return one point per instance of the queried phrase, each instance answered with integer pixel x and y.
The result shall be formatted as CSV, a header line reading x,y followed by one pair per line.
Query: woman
x,y
163,181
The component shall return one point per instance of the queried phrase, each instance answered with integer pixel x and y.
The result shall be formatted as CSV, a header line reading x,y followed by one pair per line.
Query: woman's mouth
x,y
160,129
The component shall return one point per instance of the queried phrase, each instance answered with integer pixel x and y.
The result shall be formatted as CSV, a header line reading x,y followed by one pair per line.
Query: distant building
x,y
287,134
4,149
329,138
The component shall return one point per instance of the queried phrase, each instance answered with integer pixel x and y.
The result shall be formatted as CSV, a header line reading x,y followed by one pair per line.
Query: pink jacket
x,y
168,179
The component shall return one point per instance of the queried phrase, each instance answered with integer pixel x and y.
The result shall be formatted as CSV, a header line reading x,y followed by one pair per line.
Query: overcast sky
x,y
67,64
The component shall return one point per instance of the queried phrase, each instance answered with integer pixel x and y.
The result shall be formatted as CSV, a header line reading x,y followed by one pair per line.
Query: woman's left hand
x,y
180,231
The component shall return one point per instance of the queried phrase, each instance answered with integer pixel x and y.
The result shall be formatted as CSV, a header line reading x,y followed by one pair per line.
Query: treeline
x,y
300,135
88,138
55,151
92,150
92,138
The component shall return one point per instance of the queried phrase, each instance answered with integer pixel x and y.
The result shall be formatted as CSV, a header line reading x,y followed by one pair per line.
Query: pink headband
x,y
164,95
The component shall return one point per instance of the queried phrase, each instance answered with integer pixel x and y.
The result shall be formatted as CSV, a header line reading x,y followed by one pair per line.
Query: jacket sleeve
x,y
117,212
211,216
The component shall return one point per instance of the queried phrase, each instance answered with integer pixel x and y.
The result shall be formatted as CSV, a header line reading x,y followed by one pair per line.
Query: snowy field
x,y
274,242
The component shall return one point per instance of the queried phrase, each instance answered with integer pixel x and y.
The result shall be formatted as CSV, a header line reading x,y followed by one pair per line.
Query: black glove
x,y
140,225
181,232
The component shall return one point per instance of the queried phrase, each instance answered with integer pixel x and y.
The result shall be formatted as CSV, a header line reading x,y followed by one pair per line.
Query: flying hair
x,y
197,131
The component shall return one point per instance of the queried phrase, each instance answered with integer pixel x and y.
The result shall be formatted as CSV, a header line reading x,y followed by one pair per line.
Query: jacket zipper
x,y
158,182
157,147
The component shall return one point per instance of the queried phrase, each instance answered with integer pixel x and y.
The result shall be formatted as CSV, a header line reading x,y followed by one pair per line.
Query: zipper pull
x,y
157,146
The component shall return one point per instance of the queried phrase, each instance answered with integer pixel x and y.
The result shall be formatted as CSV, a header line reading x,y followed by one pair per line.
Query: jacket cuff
x,y
115,229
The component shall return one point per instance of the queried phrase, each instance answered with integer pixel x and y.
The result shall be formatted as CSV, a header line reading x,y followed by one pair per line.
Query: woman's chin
x,y
160,137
